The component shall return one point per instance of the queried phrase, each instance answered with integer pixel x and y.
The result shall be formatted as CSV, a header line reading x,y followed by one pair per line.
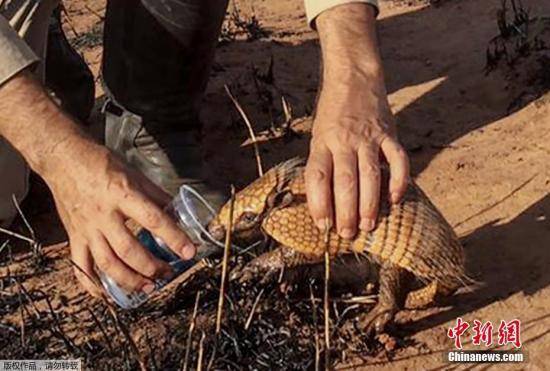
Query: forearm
x,y
353,94
33,123
349,45
353,125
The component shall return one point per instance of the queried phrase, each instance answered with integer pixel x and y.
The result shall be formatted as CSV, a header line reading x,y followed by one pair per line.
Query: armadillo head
x,y
253,203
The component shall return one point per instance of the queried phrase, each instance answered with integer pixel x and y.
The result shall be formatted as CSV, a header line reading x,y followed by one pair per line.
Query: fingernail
x,y
188,252
394,197
323,223
347,233
366,224
148,288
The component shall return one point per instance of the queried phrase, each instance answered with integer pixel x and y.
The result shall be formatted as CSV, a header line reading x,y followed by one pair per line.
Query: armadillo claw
x,y
245,274
253,272
375,322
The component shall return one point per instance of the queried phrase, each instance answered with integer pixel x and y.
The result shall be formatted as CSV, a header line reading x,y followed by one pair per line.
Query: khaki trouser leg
x,y
30,18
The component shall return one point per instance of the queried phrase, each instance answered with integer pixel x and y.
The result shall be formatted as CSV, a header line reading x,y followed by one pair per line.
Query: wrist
x,y
63,155
348,42
354,78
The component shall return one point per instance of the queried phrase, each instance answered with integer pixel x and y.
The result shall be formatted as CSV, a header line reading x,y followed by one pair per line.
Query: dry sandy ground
x,y
485,167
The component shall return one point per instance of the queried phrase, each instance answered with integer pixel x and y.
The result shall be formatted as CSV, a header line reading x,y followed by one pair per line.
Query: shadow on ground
x,y
507,258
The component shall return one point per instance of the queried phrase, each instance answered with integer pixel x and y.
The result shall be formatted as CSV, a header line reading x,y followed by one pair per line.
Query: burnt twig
x,y
251,315
201,352
21,304
224,262
16,235
20,212
102,329
28,296
192,324
326,298
250,130
316,333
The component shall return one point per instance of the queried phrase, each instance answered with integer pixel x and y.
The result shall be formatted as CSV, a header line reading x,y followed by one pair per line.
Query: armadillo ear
x,y
279,199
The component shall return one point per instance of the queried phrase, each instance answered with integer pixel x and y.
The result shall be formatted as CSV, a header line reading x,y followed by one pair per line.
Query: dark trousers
x,y
157,55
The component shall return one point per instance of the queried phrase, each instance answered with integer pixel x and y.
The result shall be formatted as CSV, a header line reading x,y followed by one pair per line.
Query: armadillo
x,y
412,241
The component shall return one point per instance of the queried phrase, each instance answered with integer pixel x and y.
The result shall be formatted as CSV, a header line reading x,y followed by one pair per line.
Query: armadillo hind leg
x,y
391,298
271,263
428,295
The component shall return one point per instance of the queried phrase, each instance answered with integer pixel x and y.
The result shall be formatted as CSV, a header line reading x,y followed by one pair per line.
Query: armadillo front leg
x,y
272,262
391,298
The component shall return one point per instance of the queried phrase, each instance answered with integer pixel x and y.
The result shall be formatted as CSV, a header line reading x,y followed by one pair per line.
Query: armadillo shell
x,y
412,234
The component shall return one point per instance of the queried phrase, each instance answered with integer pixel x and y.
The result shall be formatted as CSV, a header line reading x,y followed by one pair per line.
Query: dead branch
x,y
17,235
102,329
30,299
316,333
201,352
287,109
192,324
20,212
36,246
250,130
326,306
225,260
251,315
22,319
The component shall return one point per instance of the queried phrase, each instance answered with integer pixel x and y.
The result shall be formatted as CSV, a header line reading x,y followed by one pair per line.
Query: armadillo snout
x,y
217,231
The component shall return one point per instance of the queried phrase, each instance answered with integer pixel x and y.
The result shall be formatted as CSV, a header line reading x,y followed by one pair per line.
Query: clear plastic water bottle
x,y
192,213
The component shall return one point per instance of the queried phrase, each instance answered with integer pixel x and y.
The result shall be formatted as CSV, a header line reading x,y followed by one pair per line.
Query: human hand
x,y
95,196
353,127
94,192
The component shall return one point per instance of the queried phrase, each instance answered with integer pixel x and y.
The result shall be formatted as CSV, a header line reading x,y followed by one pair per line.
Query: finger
x,y
398,160
151,217
109,263
132,253
84,270
318,180
369,187
345,193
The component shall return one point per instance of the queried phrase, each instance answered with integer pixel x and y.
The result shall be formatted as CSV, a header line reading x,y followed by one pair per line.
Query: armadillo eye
x,y
249,217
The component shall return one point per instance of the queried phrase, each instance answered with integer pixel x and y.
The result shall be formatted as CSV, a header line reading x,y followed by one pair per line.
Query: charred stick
x,y
250,130
201,352
326,306
102,329
225,261
316,333
251,315
190,332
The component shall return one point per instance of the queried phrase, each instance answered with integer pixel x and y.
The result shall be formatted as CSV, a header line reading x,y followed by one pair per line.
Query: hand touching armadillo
x,y
412,242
